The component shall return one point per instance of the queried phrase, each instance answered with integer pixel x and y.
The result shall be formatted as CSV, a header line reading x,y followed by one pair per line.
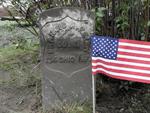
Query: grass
x,y
19,63
73,108
12,52
19,55
10,30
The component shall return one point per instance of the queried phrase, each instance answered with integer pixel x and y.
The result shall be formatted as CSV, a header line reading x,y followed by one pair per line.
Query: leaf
x,y
101,8
100,12
93,10
148,23
118,25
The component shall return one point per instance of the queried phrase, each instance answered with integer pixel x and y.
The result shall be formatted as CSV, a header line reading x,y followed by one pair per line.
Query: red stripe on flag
x,y
128,60
134,54
134,48
133,60
123,65
134,42
122,71
122,78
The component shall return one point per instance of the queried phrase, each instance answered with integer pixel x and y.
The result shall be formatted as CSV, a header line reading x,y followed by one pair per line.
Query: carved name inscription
x,y
61,39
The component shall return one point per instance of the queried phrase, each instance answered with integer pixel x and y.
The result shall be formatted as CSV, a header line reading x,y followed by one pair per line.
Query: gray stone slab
x,y
65,49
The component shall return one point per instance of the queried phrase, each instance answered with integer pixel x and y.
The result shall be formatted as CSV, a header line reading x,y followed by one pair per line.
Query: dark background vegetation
x,y
128,19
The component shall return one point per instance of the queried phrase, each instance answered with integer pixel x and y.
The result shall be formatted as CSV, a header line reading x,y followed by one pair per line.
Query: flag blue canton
x,y
105,47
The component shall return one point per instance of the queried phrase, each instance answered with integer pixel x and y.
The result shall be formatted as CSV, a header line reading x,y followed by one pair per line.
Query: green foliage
x,y
73,108
122,22
16,34
20,55
9,26
19,64
148,23
99,12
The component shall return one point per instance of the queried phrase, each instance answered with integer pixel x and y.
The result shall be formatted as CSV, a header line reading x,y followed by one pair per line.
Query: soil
x,y
18,100
111,98
117,96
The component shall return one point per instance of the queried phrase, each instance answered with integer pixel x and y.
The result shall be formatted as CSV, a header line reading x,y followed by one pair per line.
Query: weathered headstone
x,y
65,49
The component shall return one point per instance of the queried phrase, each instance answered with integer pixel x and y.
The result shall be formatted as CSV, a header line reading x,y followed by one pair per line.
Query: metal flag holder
x,y
94,92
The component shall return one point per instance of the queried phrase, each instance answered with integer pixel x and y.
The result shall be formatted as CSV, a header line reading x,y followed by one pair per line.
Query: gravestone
x,y
65,56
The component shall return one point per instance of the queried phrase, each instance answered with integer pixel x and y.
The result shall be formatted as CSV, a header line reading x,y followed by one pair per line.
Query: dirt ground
x,y
116,96
19,100
110,99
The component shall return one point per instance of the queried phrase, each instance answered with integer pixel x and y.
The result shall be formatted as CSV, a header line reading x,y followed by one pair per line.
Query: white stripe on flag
x,y
122,75
133,57
121,62
134,45
133,51
121,68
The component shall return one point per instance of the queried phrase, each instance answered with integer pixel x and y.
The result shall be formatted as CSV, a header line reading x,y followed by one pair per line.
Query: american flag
x,y
121,58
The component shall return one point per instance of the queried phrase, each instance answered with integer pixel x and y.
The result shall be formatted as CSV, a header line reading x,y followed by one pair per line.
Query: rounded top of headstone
x,y
56,14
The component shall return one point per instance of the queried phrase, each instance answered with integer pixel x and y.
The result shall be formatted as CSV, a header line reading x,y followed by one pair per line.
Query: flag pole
x,y
93,76
94,93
